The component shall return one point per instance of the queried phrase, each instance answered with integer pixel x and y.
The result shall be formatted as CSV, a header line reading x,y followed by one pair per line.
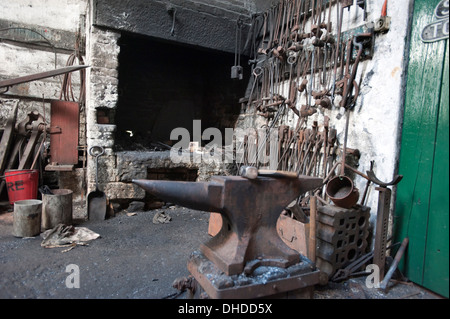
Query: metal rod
x,y
312,228
395,263
345,142
42,75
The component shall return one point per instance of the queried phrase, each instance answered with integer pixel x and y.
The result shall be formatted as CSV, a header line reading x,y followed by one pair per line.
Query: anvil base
x,y
296,281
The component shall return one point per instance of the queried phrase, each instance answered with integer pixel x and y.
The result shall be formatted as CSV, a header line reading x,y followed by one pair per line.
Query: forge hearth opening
x,y
163,86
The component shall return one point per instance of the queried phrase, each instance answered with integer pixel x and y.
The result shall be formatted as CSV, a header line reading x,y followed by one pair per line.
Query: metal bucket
x,y
27,218
56,208
341,191
21,184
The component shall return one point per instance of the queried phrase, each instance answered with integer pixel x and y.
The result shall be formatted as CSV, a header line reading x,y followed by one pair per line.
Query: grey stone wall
x,y
102,54
36,37
117,169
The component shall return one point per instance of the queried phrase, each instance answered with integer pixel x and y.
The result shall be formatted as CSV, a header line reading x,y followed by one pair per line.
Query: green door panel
x,y
422,203
438,219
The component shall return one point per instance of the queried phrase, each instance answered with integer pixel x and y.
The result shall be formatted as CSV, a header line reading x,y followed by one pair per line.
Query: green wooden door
x,y
422,203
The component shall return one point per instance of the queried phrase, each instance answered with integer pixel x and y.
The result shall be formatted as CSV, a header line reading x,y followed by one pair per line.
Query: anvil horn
x,y
199,196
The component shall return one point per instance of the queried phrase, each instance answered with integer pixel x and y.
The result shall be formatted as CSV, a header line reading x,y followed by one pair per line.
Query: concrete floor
x,y
133,259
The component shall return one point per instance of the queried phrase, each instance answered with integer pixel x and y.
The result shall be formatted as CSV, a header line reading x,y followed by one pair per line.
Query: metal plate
x,y
64,142
435,31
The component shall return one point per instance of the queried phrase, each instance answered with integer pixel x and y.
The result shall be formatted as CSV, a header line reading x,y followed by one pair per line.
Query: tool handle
x,y
394,265
384,9
100,152
252,172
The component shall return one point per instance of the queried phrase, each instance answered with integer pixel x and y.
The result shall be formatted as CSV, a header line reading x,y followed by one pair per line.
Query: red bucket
x,y
22,184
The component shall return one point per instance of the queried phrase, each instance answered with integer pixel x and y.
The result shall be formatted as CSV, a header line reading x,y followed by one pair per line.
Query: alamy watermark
x,y
373,279
73,279
237,146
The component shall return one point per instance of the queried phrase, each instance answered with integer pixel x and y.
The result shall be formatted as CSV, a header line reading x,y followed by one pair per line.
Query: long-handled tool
x,y
394,265
96,200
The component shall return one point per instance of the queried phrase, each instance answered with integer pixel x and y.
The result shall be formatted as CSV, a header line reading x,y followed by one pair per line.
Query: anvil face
x,y
250,210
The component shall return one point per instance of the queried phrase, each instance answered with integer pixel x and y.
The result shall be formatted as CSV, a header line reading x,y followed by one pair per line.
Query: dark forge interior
x,y
164,85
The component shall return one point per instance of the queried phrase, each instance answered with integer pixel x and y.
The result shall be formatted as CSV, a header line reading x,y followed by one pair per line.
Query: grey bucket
x,y
27,218
56,208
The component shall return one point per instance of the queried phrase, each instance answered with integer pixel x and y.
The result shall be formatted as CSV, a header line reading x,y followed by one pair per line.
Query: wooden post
x,y
312,228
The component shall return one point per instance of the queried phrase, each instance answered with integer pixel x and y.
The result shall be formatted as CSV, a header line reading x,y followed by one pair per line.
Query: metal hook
x,y
172,11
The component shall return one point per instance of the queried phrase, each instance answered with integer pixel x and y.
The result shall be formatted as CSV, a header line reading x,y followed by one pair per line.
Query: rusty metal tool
x,y
237,71
349,79
313,160
363,199
381,229
251,172
6,141
38,76
398,256
7,137
340,15
352,268
250,209
348,83
374,179
32,126
347,102
331,140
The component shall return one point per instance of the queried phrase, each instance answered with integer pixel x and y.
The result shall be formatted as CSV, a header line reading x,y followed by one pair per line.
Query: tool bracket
x,y
374,179
368,44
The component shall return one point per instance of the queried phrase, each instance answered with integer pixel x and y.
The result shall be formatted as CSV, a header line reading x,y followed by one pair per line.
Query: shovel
x,y
96,201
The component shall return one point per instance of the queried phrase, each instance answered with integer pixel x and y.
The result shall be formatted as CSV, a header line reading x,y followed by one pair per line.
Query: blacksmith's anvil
x,y
250,209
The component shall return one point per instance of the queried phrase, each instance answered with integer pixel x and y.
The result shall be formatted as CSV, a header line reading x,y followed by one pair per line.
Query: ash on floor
x,y
133,258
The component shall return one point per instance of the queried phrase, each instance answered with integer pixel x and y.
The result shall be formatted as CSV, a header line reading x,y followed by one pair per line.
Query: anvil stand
x,y
247,258
381,231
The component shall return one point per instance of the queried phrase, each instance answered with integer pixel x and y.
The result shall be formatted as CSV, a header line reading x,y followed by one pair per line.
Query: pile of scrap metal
x,y
21,137
19,141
